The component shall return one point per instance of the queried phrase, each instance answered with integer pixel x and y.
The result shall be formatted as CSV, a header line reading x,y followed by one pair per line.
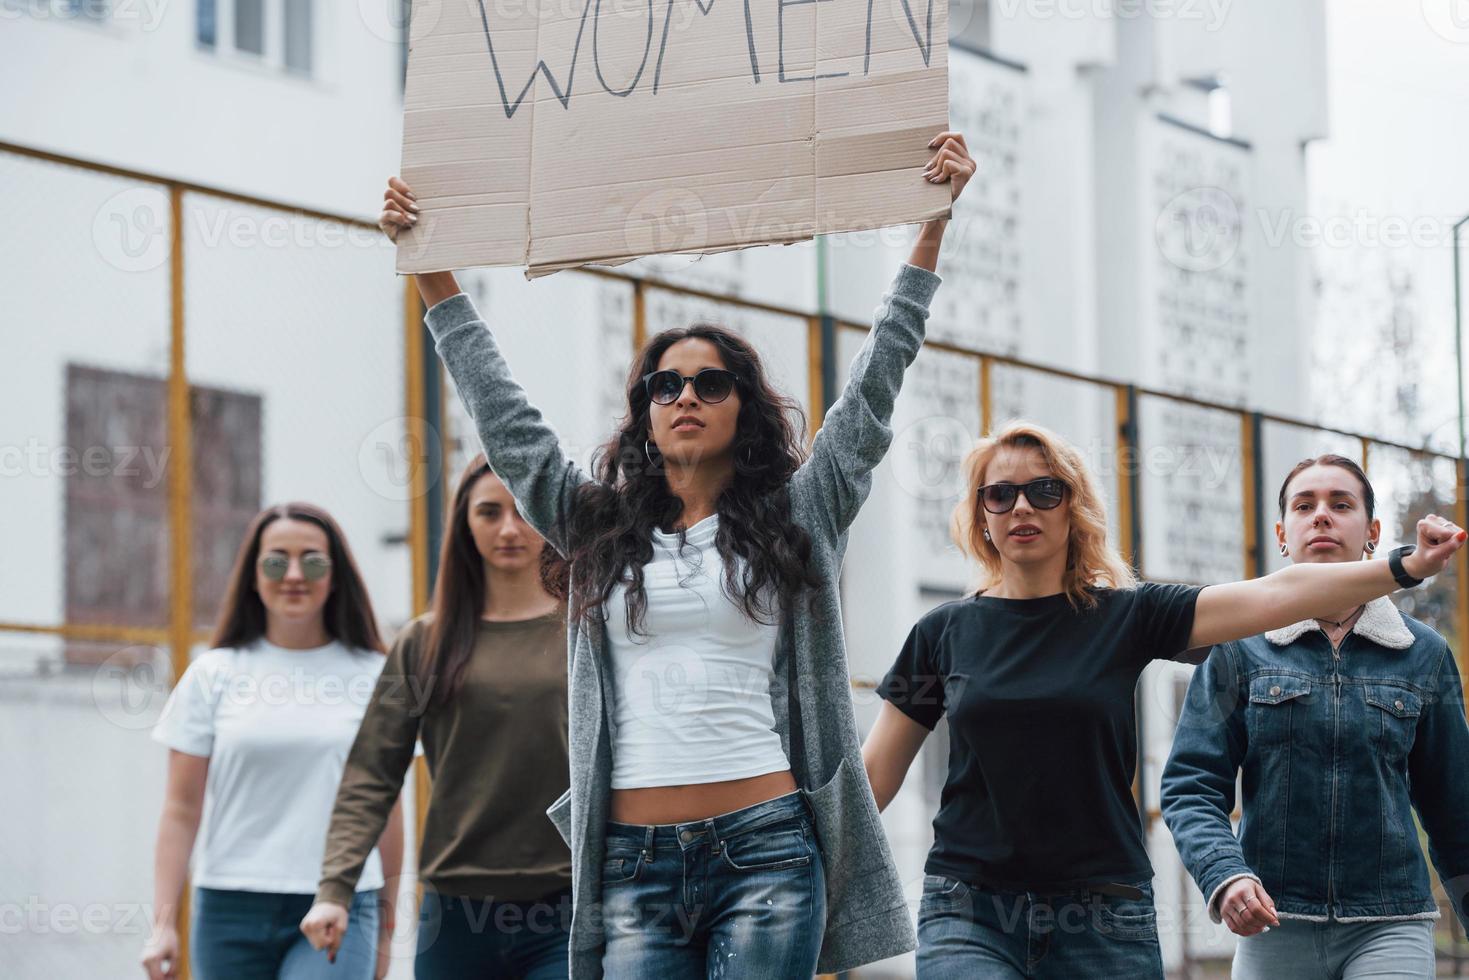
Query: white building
x,y
1107,234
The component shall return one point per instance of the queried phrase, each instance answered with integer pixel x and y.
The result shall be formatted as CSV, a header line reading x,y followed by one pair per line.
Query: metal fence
x,y
157,306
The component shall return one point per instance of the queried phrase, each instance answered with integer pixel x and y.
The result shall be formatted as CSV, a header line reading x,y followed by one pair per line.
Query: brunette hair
x,y
347,615
459,594
1331,459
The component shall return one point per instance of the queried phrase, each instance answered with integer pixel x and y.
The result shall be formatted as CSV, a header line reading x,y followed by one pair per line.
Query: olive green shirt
x,y
497,755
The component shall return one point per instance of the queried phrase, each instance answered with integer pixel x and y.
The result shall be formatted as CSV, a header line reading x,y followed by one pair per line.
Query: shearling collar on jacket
x,y
1380,622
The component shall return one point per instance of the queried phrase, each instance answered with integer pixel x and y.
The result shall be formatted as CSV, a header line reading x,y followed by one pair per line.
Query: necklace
x,y
1344,622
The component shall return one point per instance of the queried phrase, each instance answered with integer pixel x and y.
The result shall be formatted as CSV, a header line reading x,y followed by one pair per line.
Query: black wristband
x,y
1395,565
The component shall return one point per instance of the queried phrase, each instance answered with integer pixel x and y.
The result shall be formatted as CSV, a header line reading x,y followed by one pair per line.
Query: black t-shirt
x,y
1042,730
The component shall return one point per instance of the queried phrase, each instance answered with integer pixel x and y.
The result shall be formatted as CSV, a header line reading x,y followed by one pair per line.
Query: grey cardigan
x,y
867,915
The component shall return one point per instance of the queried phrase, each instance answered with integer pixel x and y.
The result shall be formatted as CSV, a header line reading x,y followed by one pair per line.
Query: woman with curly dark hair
x,y
718,816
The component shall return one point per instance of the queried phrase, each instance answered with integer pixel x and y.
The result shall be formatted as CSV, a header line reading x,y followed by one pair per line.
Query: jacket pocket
x,y
1392,718
847,855
560,814
1277,705
1278,688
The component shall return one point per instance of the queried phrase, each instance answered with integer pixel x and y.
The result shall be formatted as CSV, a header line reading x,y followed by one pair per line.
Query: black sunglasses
x,y
1043,494
711,385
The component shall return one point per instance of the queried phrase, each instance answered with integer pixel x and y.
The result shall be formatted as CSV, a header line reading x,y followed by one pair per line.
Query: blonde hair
x,y
1090,561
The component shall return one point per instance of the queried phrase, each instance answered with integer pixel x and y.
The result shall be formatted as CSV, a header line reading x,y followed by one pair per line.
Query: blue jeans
x,y
971,933
1401,950
737,895
238,935
479,937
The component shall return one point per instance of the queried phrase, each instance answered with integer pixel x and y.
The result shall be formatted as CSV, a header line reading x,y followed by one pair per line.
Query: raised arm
x,y
855,434
1310,591
521,447
1438,773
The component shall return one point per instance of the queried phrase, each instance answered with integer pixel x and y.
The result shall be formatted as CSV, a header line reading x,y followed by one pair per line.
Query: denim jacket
x,y
1337,749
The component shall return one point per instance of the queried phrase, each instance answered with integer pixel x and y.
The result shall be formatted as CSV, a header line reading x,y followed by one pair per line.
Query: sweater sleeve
x,y
373,775
521,447
855,434
1438,774
1199,778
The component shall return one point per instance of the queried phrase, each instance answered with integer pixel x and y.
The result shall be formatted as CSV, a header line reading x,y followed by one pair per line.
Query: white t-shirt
x,y
276,726
692,693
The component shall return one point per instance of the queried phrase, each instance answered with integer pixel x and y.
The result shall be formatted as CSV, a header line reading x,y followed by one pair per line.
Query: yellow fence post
x,y
815,368
986,395
1127,460
1248,455
180,496
639,316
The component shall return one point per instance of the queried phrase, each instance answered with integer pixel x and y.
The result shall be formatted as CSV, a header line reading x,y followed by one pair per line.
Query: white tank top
x,y
692,689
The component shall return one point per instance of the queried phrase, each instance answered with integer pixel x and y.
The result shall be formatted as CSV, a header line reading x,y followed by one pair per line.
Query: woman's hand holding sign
x,y
951,162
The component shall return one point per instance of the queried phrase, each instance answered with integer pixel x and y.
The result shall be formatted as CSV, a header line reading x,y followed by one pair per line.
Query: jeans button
x,y
1275,691
686,836
1398,705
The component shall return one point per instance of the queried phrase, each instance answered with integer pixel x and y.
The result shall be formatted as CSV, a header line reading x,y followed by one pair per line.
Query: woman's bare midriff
x,y
698,801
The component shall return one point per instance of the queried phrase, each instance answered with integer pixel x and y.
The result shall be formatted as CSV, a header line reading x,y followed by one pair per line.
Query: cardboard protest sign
x,y
556,133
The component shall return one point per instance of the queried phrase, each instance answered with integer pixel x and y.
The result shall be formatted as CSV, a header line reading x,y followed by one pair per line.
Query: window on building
x,y
297,23
116,538
250,26
276,33
204,14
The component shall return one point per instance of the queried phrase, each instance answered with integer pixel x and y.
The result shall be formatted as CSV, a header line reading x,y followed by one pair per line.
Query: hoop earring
x,y
1284,551
648,452
1370,547
987,535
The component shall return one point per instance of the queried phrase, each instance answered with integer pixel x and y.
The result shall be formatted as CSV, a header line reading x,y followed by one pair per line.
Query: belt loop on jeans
x,y
648,832
716,845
